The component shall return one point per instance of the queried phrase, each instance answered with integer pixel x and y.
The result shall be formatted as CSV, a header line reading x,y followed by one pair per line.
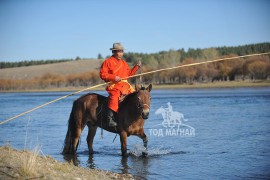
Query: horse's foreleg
x,y
90,137
123,139
145,142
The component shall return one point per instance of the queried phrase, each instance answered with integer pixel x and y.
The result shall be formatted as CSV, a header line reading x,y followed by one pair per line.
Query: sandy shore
x,y
16,164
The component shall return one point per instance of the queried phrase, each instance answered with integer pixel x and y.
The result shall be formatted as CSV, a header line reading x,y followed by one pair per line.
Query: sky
x,y
59,29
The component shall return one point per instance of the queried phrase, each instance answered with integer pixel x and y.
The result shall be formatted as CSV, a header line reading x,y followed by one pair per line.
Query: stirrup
x,y
112,123
110,117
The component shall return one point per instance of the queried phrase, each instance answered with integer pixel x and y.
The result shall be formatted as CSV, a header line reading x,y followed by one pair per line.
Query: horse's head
x,y
144,99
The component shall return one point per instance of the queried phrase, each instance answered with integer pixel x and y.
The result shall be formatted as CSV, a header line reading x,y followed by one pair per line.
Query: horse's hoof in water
x,y
144,154
124,154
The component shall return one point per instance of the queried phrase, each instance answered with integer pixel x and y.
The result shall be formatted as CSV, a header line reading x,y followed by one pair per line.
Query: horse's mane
x,y
129,96
143,88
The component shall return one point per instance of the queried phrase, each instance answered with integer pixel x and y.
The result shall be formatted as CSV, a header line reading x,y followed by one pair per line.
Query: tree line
x,y
178,56
190,53
252,68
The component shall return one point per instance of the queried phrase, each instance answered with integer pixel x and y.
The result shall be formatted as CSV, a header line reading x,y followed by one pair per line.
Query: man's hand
x,y
117,79
139,63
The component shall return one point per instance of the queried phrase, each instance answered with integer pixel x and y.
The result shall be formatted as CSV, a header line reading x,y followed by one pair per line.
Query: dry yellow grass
x,y
29,162
65,69
16,164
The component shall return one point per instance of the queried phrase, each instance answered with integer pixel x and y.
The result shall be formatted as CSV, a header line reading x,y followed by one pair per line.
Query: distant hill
x,y
62,68
4,65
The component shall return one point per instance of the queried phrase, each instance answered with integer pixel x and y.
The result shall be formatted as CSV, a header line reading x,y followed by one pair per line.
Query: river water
x,y
223,133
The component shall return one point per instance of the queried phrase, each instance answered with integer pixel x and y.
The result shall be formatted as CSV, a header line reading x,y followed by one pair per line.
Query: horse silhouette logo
x,y
171,119
173,124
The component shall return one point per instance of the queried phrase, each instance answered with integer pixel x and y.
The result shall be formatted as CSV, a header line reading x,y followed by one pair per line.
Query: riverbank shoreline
x,y
218,84
29,164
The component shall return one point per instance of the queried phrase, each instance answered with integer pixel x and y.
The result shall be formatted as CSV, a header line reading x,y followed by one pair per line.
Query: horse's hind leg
x,y
90,137
72,139
76,139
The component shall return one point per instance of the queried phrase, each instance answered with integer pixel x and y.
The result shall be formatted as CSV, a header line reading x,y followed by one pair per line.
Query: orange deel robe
x,y
111,68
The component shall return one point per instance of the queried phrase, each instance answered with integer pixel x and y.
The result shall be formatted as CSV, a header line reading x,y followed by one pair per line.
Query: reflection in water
x,y
124,162
75,160
135,165
128,165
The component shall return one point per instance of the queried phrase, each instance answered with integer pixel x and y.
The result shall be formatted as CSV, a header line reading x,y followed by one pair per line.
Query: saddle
x,y
104,108
122,98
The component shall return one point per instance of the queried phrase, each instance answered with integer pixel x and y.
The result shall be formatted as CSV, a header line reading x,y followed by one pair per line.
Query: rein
x,y
141,82
139,106
101,132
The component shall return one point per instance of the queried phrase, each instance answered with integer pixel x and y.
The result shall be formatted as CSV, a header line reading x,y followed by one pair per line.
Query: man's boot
x,y
110,118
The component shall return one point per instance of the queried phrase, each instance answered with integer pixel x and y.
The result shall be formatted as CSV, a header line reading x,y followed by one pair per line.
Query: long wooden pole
x,y
141,74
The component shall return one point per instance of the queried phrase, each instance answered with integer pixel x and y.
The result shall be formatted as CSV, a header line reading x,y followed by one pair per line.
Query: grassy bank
x,y
221,84
16,164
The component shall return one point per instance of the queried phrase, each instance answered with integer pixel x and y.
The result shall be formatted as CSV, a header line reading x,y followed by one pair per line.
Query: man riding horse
x,y
114,70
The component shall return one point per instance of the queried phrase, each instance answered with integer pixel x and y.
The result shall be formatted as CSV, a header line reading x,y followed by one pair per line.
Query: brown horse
x,y
90,109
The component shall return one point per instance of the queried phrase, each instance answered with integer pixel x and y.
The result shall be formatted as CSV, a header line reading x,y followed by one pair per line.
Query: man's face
x,y
118,54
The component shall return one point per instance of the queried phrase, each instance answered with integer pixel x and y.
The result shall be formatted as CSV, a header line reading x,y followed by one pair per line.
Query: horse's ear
x,y
149,88
137,87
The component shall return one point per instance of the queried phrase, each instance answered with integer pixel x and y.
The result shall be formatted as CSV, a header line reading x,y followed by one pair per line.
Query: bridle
x,y
141,106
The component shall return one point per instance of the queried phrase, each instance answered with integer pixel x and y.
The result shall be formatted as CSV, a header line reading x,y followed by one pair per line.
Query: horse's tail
x,y
69,145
